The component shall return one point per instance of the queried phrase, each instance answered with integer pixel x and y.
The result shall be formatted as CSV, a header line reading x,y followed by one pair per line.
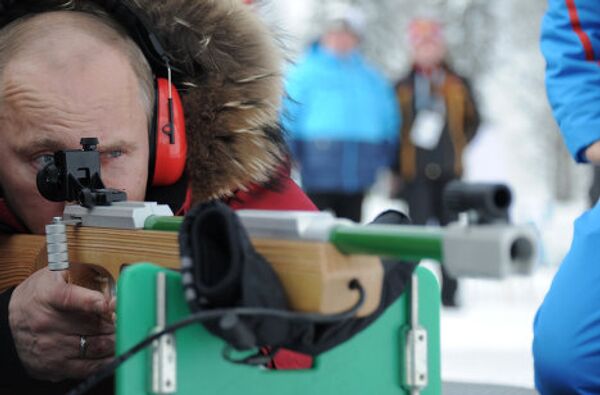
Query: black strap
x,y
138,28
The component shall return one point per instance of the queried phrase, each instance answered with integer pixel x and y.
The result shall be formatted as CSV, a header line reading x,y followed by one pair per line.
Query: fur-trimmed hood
x,y
234,91
231,74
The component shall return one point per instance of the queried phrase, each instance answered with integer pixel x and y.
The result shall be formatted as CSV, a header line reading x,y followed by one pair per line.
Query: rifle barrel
x,y
165,224
395,241
409,243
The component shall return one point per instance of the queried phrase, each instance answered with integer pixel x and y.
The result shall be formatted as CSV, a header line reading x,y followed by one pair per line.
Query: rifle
x,y
315,255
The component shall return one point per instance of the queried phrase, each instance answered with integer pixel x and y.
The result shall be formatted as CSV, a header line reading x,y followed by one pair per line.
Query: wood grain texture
x,y
20,256
314,275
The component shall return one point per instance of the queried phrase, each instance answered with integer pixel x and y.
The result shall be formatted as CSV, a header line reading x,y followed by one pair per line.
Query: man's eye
x,y
112,154
40,161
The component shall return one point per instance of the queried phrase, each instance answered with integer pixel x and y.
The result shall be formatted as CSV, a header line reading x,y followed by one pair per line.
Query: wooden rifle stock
x,y
315,275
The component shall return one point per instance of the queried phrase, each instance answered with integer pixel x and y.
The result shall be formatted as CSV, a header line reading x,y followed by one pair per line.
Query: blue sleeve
x,y
393,124
570,43
393,110
566,346
291,118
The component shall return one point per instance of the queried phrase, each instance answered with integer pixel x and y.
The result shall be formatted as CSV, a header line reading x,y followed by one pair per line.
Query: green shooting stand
x,y
374,361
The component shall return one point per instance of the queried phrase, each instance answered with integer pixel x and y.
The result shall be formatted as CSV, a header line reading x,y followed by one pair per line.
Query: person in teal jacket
x,y
566,346
342,117
570,43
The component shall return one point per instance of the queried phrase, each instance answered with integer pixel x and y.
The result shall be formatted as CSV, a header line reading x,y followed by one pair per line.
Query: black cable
x,y
109,369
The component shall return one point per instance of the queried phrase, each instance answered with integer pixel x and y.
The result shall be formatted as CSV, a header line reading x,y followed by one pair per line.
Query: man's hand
x,y
592,153
48,317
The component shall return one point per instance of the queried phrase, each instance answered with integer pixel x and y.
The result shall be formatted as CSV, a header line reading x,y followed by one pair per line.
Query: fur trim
x,y
234,91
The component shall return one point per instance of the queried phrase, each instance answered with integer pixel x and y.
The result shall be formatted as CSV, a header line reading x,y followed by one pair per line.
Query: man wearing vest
x,y
440,119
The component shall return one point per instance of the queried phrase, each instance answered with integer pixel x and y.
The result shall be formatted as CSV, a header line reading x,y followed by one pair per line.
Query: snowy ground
x,y
488,339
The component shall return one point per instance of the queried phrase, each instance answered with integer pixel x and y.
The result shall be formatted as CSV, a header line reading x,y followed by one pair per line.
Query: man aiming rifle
x,y
73,69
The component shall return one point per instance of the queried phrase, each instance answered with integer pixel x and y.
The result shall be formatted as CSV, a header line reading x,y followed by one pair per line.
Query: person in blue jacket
x,y
566,346
571,45
342,117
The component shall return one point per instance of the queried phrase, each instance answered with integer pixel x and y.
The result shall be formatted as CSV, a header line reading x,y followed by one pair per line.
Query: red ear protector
x,y
168,146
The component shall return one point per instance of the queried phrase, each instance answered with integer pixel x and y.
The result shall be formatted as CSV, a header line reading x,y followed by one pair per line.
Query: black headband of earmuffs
x,y
134,23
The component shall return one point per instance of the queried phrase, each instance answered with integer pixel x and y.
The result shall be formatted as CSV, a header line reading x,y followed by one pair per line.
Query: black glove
x,y
228,272
221,269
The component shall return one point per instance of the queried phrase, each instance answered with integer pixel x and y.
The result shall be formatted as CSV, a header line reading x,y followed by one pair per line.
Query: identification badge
x,y
427,129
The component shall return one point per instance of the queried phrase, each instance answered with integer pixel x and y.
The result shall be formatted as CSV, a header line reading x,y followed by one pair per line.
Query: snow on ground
x,y
488,339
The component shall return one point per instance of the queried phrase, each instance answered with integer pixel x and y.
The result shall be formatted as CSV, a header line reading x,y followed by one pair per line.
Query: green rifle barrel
x,y
165,224
409,243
